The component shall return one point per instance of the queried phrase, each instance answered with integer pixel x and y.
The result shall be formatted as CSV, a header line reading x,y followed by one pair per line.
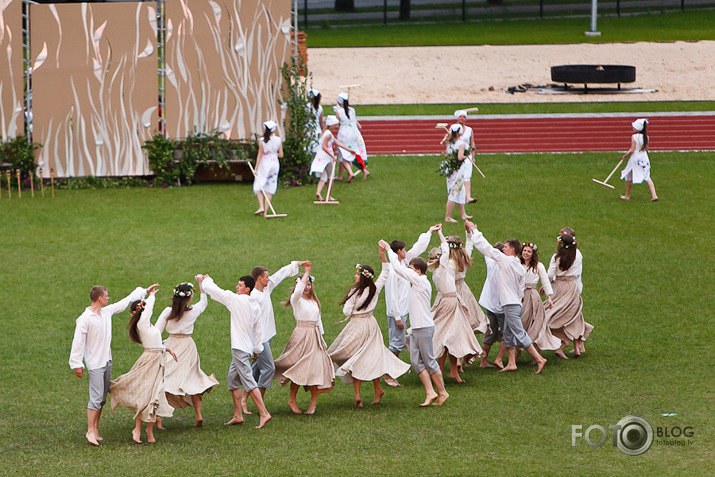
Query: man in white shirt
x,y
246,334
489,300
92,342
419,299
511,292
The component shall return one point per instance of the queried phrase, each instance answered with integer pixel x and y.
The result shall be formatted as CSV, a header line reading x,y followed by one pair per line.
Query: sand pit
x,y
679,71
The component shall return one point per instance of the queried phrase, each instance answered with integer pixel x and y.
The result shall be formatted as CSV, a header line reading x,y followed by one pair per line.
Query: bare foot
x,y
560,354
533,362
258,212
654,199
199,422
99,438
508,368
441,399
92,439
136,436
457,377
429,399
234,421
542,363
159,424
319,197
485,364
310,411
378,396
350,179
499,364
358,403
466,217
262,422
391,382
150,438
623,197
471,200
450,220
367,173
294,407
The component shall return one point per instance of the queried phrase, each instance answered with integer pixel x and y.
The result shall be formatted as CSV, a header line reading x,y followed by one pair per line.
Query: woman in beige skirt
x,y
359,351
533,314
305,360
141,390
184,381
453,333
462,256
565,318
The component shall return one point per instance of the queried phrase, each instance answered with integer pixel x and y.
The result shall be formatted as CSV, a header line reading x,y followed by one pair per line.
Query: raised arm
x,y
122,304
300,286
220,295
481,244
422,243
285,272
401,270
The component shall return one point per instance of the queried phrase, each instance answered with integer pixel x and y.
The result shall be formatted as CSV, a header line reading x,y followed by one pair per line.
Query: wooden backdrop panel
x,y
95,92
223,61
11,70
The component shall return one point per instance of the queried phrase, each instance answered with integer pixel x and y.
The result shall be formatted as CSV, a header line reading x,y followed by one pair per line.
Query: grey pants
x,y
421,352
263,368
396,336
99,381
496,325
513,330
239,373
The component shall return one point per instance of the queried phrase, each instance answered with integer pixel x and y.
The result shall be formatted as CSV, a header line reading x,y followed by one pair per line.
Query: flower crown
x,y
562,244
182,293
362,271
139,306
311,279
454,245
533,245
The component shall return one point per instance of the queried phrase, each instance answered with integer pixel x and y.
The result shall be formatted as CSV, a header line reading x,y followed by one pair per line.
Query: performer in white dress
x,y
456,194
317,121
325,158
638,167
349,134
467,137
141,390
270,149
359,351
453,334
305,361
184,380
533,314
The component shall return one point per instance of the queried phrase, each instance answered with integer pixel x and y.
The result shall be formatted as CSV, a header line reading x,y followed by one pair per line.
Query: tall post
x,y
161,50
295,28
594,17
27,68
305,14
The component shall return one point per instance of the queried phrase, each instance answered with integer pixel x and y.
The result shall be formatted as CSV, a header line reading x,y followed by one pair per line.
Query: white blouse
x,y
305,310
185,325
351,306
148,333
575,270
532,277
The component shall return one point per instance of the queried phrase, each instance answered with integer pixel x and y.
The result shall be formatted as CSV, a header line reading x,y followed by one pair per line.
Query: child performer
x,y
638,168
422,330
533,316
456,193
511,291
468,138
184,381
453,334
358,350
316,118
305,360
324,161
349,134
270,149
246,333
92,342
142,389
565,318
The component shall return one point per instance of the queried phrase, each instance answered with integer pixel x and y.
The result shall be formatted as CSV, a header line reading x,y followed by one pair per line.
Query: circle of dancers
x,y
168,374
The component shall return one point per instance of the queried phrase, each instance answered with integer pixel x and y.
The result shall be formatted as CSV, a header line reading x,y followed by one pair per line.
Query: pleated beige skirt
x,y
533,318
477,319
565,318
184,378
305,360
452,331
141,390
359,352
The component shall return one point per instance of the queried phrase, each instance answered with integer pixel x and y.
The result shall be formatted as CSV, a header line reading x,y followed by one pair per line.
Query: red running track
x,y
543,133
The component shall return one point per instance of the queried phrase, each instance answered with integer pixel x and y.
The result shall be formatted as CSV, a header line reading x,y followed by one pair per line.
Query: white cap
x,y
270,125
456,127
342,97
460,112
313,93
638,124
331,120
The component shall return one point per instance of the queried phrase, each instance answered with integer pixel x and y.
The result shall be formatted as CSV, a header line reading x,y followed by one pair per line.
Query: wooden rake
x,y
328,200
605,182
265,198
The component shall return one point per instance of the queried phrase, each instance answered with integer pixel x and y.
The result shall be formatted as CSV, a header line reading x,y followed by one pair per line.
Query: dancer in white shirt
x,y
325,157
422,329
270,149
92,342
184,381
489,300
511,291
359,351
317,122
246,334
141,390
305,361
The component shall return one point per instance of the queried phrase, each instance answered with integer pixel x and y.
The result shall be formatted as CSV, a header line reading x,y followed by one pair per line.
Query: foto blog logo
x,y
632,435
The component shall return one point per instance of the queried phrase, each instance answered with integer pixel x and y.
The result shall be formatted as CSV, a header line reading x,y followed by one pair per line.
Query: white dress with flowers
x,y
268,168
455,181
349,134
467,166
638,167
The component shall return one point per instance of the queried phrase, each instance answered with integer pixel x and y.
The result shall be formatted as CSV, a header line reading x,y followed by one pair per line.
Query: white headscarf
x,y
460,112
331,120
638,124
270,125
313,93
342,97
456,127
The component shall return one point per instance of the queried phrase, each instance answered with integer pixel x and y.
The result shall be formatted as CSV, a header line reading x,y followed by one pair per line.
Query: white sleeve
x,y
222,296
551,273
161,321
122,304
401,270
78,342
144,322
544,278
485,248
419,247
257,337
297,293
468,245
382,278
285,272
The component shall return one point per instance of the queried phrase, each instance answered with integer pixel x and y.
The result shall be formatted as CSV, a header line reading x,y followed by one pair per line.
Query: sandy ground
x,y
679,71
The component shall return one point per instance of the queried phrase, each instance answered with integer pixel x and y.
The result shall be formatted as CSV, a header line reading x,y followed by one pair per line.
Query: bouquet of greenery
x,y
451,162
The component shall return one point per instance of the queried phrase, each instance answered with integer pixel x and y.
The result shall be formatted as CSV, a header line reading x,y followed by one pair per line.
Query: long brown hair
x,y
136,308
566,251
458,254
360,286
644,132
533,263
180,304
312,295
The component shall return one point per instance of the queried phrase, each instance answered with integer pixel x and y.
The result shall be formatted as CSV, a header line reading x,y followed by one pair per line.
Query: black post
x,y
384,12
682,5
618,8
464,10
541,8
305,15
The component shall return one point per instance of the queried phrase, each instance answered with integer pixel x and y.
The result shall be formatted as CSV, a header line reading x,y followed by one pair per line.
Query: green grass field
x,y
648,274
